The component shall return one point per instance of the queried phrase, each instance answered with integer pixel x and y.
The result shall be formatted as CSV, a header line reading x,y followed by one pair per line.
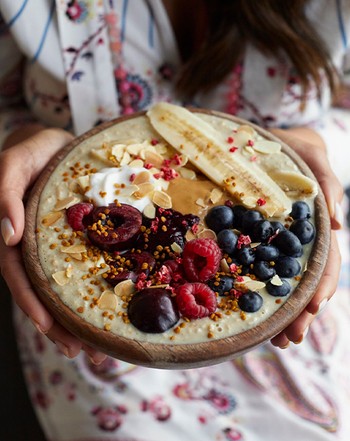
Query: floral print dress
x,y
117,57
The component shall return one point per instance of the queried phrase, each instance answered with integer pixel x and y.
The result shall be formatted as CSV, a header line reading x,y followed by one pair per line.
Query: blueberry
x,y
246,256
219,218
263,271
279,291
250,301
288,244
300,210
249,218
222,285
287,266
266,252
238,211
304,230
227,241
277,226
261,231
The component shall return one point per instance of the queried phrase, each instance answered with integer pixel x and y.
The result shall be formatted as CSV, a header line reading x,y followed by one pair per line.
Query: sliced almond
x,y
136,163
118,151
125,288
83,182
161,148
187,173
276,280
224,266
176,248
153,158
60,277
248,150
134,149
145,150
103,270
128,190
101,154
144,189
201,202
241,138
74,249
251,284
215,195
163,200
66,203
51,218
108,300
247,129
267,147
254,244
62,190
125,159
142,177
76,256
69,271
207,234
182,159
189,235
149,211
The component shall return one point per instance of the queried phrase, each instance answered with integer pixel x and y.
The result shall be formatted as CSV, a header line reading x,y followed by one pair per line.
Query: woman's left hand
x,y
315,155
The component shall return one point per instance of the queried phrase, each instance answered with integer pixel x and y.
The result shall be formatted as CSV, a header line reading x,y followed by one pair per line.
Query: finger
x,y
329,280
19,167
298,329
280,341
66,343
20,287
95,356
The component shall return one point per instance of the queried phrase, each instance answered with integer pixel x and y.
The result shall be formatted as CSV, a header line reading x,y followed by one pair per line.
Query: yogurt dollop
x,y
113,183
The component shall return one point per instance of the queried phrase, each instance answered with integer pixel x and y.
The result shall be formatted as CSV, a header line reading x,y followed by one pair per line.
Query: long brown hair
x,y
275,27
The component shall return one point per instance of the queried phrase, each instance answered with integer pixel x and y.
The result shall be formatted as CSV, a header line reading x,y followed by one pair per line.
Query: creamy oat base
x,y
77,277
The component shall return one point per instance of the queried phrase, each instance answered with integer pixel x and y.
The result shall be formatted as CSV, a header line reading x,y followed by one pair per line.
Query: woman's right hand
x,y
20,165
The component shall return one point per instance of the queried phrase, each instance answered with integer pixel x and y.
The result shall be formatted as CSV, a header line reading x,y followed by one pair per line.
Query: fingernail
x,y
38,327
322,305
63,348
302,337
338,215
7,230
97,359
285,346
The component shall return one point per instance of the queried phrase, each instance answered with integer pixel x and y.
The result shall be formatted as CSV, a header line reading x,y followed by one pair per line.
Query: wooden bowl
x,y
175,356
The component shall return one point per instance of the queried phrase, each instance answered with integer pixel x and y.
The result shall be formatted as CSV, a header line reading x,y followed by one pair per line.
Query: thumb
x,y
19,167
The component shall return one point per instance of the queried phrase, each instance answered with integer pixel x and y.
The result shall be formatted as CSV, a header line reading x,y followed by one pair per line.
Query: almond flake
x,y
143,190
84,182
125,288
163,200
165,285
251,284
103,270
215,195
101,154
149,211
74,249
118,151
161,149
108,300
241,139
247,129
189,235
60,278
207,234
62,190
142,177
134,149
248,149
128,190
267,147
201,202
154,158
224,266
125,159
144,151
76,256
136,163
51,218
187,173
183,159
276,280
254,244
69,271
176,248
66,203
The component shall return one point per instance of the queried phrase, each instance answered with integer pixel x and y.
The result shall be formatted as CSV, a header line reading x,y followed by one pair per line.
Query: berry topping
x,y
279,290
304,230
246,256
250,301
287,266
266,252
263,271
288,244
129,266
77,214
238,211
196,300
115,227
227,241
219,218
249,218
201,259
277,226
300,210
153,310
222,285
261,231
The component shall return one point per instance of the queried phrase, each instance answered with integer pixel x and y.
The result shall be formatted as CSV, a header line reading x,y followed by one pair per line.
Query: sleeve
x,y
13,110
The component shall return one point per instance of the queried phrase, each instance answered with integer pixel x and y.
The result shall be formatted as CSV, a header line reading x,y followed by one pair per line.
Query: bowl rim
x,y
175,355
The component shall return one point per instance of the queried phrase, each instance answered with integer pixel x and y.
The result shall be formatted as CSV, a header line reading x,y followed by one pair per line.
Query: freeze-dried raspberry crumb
x,y
201,259
195,300
76,214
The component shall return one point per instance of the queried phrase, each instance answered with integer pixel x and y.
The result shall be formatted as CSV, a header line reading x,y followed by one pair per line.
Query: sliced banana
x,y
242,178
294,182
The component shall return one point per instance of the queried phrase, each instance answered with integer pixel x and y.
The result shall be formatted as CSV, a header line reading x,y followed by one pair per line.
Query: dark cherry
x,y
153,310
133,263
114,228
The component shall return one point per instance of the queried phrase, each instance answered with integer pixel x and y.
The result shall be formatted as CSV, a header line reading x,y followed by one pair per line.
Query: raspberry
x,y
196,300
76,214
201,259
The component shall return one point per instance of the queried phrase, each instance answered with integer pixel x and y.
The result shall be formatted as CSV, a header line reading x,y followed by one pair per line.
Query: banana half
x,y
205,148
